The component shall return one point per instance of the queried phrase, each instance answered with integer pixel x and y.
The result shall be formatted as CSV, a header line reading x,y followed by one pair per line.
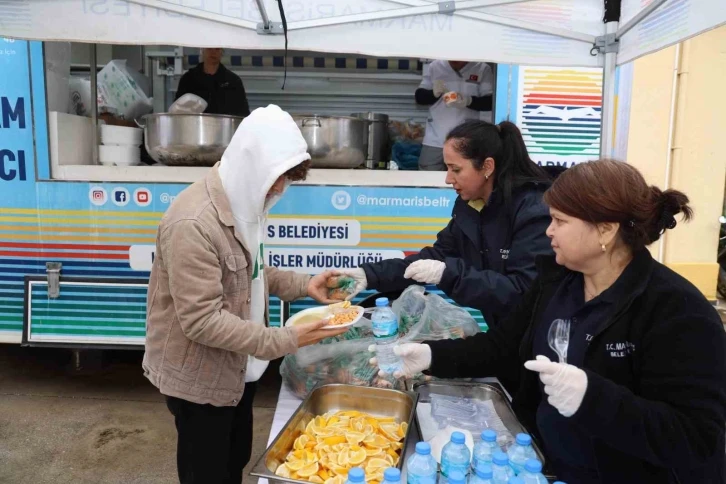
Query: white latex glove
x,y
426,271
361,282
564,384
439,88
457,100
188,104
415,358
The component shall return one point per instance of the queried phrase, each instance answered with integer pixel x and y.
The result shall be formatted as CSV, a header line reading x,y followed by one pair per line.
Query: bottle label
x,y
447,467
385,329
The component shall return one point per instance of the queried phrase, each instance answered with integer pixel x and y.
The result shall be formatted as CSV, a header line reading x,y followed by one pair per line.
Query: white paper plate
x,y
322,312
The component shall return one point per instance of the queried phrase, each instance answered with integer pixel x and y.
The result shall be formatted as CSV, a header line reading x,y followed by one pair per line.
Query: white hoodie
x,y
266,145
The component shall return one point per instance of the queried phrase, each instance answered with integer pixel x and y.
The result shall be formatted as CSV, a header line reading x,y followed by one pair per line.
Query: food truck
x,y
77,237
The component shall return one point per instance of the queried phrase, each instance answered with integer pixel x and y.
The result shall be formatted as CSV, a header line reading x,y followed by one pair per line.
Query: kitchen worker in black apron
x,y
221,88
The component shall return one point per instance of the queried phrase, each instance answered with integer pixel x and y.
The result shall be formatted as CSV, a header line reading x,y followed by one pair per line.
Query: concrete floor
x,y
102,424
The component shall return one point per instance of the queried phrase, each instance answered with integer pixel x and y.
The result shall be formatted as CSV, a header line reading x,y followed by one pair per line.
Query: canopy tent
x,y
582,33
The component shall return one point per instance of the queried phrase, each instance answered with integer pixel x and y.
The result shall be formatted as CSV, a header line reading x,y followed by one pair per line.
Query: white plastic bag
x,y
118,86
188,104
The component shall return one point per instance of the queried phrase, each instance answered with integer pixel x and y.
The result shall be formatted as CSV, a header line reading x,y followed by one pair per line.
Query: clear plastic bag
x,y
345,358
188,104
340,287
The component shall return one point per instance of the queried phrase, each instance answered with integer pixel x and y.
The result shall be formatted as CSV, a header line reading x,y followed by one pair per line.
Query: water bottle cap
x,y
484,471
524,439
500,458
392,474
516,480
356,474
458,438
381,301
423,448
533,465
489,436
457,477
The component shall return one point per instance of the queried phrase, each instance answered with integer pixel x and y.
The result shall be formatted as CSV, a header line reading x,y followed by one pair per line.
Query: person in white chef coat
x,y
456,91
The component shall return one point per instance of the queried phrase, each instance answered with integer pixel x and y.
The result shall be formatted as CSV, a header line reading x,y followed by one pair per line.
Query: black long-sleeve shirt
x,y
223,90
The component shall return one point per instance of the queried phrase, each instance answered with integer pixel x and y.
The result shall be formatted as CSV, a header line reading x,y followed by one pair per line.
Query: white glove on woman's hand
x,y
439,88
564,384
426,271
457,100
415,358
361,282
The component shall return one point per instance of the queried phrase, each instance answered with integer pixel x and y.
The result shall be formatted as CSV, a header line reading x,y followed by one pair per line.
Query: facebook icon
x,y
120,196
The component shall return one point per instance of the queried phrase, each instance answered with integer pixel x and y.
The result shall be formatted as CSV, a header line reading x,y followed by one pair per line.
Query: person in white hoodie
x,y
207,339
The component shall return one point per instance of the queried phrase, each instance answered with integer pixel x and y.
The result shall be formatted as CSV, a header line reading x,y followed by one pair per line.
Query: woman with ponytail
x,y
638,393
484,258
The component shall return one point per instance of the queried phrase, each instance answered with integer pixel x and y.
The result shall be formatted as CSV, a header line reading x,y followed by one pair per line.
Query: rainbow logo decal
x,y
559,113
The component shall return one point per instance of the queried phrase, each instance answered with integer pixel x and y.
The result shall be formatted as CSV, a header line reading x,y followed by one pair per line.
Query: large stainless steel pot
x,y
188,139
334,141
379,146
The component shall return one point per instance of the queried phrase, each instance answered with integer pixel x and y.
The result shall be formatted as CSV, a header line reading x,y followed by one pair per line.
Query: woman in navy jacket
x,y
642,397
484,258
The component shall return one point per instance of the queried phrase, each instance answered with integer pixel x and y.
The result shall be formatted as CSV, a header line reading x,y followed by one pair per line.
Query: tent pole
x,y
263,13
607,114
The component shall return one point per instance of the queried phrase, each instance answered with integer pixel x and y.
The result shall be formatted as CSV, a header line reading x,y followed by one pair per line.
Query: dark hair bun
x,y
667,205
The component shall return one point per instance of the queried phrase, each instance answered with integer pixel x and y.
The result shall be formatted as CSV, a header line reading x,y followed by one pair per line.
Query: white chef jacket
x,y
474,79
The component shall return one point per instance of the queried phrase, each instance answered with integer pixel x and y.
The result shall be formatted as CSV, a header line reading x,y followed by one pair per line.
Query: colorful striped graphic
x,y
95,244
671,19
559,113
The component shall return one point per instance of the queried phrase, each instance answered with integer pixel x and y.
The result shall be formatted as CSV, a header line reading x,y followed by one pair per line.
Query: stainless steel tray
x,y
375,401
482,392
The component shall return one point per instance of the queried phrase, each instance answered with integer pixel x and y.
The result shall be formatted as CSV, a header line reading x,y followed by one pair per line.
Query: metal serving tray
x,y
481,392
375,401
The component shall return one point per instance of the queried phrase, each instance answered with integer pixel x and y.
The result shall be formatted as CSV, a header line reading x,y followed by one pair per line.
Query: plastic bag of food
x,y
340,287
345,358
117,84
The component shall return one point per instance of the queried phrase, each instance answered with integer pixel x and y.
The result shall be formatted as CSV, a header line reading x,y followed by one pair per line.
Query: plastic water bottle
x,y
483,474
457,477
520,452
385,331
515,480
391,476
356,476
484,449
455,456
421,467
532,473
501,472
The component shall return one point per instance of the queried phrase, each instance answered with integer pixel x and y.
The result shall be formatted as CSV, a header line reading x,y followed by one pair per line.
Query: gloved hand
x,y
439,88
426,271
564,384
361,282
457,100
415,358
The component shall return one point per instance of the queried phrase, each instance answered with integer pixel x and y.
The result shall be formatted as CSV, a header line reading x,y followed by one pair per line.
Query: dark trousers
x,y
214,443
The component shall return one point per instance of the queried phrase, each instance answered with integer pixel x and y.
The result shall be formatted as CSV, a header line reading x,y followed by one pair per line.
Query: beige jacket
x,y
197,338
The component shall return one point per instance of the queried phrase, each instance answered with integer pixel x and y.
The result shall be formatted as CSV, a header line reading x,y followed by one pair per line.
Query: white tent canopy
x,y
527,32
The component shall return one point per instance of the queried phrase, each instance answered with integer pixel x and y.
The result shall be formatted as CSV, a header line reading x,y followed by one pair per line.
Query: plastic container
x,y
356,476
501,471
385,331
484,449
483,474
120,135
421,467
520,452
532,473
455,456
119,155
391,476
515,480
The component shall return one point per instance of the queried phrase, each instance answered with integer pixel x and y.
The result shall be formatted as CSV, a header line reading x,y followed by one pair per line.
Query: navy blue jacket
x,y
489,255
656,413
